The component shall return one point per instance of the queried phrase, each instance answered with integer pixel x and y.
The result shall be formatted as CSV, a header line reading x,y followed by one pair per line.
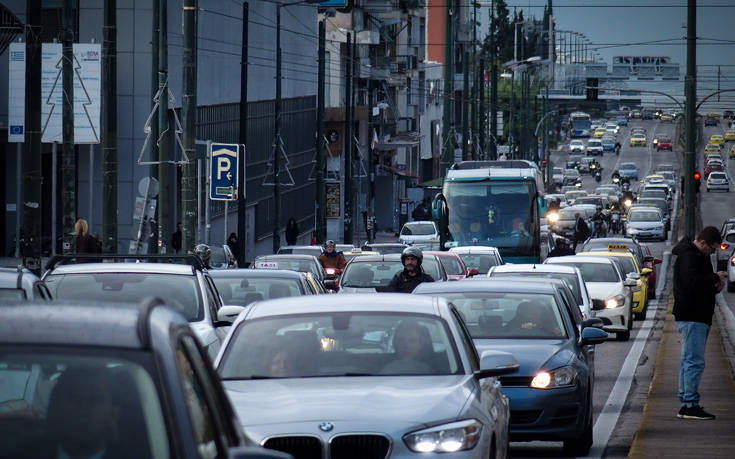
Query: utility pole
x,y
31,239
448,115
189,118
109,126
321,199
155,35
465,105
482,114
277,142
690,89
347,151
163,135
243,139
474,81
68,158
493,85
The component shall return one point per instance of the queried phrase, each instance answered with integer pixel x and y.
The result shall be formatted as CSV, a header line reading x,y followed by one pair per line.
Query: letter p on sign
x,y
223,166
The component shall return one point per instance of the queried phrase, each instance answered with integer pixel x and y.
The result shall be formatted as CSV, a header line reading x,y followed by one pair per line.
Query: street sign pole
x,y
223,176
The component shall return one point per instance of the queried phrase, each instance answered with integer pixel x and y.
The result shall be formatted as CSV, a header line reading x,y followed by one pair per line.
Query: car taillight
x,y
724,246
732,261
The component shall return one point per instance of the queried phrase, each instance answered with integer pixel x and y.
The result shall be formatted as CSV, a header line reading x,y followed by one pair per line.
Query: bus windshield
x,y
500,214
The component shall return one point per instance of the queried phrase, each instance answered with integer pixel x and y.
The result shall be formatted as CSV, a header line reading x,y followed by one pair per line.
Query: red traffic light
x,y
697,176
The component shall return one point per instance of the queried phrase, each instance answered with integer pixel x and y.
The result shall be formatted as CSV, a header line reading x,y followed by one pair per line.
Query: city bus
x,y
492,203
580,124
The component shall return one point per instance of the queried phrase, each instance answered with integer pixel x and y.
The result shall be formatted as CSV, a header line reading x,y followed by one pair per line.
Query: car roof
x,y
383,302
484,285
286,256
80,324
575,258
521,268
148,268
611,253
244,273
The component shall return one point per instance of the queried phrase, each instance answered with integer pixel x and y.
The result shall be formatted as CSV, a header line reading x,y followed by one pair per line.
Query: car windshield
x,y
569,278
627,166
385,249
509,315
241,292
627,264
452,266
372,274
58,401
418,229
290,264
644,216
340,344
482,262
180,291
595,272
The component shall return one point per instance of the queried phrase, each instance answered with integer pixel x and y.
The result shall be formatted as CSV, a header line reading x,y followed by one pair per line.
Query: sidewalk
x,y
661,433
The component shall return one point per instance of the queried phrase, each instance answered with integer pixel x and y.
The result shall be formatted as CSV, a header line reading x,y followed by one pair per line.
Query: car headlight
x,y
628,203
446,438
552,217
561,377
615,302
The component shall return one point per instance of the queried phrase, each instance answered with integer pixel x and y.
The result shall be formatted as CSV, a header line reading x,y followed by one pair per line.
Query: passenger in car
x,y
413,350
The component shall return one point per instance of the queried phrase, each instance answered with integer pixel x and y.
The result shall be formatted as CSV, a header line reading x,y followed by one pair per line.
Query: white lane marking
x,y
610,413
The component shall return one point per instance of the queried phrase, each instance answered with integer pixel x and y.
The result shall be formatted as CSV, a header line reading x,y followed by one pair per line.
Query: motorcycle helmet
x,y
328,243
412,252
203,252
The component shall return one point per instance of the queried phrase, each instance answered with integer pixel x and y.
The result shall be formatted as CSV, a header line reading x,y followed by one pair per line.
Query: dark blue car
x,y
551,395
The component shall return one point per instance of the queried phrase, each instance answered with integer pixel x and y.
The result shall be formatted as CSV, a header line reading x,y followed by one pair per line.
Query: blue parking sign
x,y
223,171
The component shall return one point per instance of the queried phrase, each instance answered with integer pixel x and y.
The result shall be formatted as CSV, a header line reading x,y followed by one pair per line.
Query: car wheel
x,y
622,336
581,446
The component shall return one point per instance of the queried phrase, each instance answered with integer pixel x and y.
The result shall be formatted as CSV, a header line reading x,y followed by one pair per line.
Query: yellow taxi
x,y
714,115
638,140
712,148
730,134
599,132
630,265
666,118
717,139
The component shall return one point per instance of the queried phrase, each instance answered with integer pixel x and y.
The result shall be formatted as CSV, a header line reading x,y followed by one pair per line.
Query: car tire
x,y
581,446
731,287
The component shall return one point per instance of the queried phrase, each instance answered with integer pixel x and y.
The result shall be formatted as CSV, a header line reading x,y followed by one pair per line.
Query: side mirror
x,y
646,271
496,363
229,313
594,322
592,335
657,261
648,259
630,282
472,272
635,276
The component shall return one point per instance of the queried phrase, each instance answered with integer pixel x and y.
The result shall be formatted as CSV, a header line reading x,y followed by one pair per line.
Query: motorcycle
x,y
598,175
331,278
615,222
600,229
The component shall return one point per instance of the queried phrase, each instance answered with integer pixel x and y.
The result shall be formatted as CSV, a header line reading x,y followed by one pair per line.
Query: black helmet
x,y
203,252
412,252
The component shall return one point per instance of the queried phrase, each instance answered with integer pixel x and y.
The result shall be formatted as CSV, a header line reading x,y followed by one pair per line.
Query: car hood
x,y
603,290
376,399
532,355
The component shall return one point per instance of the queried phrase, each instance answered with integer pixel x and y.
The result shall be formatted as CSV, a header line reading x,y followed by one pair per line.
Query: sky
x,y
613,26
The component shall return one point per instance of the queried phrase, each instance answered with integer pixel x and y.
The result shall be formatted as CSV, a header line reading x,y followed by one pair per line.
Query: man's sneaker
x,y
694,412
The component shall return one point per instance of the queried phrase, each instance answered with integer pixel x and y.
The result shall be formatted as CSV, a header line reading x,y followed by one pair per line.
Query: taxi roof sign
x,y
614,247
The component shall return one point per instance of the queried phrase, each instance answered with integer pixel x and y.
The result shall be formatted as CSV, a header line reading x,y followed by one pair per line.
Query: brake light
x,y
330,270
724,246
732,261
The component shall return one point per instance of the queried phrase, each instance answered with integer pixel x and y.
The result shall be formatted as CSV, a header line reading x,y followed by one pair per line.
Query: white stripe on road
x,y
608,418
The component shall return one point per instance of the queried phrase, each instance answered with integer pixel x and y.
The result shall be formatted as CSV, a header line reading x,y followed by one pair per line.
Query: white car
x,y
645,223
610,290
569,274
718,181
419,232
577,146
594,147
479,257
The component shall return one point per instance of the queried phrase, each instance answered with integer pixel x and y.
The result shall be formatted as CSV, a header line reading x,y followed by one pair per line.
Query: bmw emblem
x,y
326,426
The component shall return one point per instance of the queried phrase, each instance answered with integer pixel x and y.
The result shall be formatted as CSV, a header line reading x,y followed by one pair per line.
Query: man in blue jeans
x,y
695,287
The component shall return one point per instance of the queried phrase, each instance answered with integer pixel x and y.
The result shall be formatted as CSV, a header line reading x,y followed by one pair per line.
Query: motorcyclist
x,y
330,258
561,249
615,220
600,222
204,253
411,276
617,147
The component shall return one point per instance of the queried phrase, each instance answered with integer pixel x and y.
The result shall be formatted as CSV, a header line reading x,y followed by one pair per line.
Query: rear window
x,y
421,229
596,272
569,278
451,265
241,292
482,262
181,292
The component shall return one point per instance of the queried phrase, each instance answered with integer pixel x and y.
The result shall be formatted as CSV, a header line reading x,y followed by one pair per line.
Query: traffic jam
x,y
498,326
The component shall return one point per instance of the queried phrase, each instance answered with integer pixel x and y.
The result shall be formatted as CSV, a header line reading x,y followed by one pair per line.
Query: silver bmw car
x,y
380,376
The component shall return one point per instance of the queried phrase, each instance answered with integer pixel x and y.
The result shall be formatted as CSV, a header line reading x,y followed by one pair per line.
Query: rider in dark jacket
x,y
411,276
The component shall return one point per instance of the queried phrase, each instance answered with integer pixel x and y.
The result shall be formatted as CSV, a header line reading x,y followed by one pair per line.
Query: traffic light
x,y
697,181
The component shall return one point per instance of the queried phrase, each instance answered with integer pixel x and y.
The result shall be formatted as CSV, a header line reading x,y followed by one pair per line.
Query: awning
x,y
400,172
